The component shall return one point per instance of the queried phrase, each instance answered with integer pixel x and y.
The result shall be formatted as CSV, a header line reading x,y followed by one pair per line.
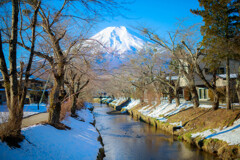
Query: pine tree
x,y
220,32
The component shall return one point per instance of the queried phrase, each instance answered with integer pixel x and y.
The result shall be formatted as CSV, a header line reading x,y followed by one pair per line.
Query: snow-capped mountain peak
x,y
118,40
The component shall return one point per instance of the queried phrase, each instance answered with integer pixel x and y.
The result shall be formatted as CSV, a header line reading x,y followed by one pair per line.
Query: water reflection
x,y
127,139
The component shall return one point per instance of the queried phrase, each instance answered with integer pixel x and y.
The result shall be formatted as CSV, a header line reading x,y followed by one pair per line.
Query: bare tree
x,y
172,85
140,70
184,63
55,22
77,77
238,85
16,88
197,60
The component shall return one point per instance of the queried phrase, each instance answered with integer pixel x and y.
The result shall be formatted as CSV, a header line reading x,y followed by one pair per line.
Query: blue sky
x,y
160,15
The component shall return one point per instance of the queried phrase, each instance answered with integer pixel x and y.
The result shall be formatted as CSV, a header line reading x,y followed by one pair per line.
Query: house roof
x,y
223,76
32,77
47,90
172,77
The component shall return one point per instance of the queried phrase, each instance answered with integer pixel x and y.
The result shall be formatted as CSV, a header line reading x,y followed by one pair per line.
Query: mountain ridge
x,y
117,40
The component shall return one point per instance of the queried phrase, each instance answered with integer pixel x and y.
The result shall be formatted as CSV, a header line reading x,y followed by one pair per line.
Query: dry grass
x,y
65,110
200,119
139,106
10,135
80,104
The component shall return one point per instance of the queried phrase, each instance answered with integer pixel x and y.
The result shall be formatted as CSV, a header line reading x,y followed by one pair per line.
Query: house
x,y
34,92
203,92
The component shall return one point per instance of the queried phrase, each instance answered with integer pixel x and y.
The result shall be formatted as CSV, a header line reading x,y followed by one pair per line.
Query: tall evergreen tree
x,y
222,25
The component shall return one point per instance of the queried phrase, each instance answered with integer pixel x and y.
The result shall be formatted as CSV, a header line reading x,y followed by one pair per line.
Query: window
x,y
200,93
221,70
203,93
206,70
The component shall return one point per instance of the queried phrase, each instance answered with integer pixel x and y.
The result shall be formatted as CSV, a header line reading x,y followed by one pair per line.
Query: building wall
x,y
2,97
234,66
203,93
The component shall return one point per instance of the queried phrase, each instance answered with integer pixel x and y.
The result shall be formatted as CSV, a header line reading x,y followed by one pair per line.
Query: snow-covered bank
x,y
46,142
117,102
28,110
132,104
231,134
163,111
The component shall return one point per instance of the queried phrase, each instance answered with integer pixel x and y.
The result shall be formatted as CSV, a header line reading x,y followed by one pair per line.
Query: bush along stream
x,y
213,131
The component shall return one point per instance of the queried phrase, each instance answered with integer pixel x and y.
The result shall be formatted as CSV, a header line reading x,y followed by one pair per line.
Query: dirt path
x,y
34,119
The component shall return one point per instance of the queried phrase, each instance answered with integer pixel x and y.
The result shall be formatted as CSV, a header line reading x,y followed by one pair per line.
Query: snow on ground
x,y
145,108
204,133
175,110
132,104
164,109
209,106
205,106
117,102
177,123
157,111
85,114
46,142
29,109
228,134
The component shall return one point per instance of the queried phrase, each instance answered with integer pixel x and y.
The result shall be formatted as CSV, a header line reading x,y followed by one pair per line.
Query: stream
x,y
127,139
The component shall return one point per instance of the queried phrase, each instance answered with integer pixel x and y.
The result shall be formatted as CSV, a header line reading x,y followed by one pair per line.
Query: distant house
x,y
203,92
34,92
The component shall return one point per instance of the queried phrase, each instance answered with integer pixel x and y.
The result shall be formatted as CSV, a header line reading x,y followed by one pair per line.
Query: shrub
x,y
222,97
65,109
187,95
80,104
150,95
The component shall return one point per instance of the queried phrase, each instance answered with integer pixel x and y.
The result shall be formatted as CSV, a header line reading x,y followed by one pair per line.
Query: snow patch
x,y
46,142
28,110
177,123
164,109
117,102
132,104
228,134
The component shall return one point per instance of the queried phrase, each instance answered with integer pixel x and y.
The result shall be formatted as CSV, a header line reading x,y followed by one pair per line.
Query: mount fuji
x,y
116,46
118,41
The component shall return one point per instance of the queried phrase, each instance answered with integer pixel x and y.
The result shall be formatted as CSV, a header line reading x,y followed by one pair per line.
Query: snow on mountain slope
x,y
116,46
118,40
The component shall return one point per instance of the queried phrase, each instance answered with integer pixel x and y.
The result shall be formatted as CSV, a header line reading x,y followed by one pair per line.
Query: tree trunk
x,y
176,95
228,96
74,104
142,96
169,98
177,101
158,95
238,93
215,104
157,92
238,85
194,94
14,120
56,98
15,112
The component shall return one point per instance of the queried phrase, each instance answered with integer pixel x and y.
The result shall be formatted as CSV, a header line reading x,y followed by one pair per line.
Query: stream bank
x,y
187,124
101,152
128,138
